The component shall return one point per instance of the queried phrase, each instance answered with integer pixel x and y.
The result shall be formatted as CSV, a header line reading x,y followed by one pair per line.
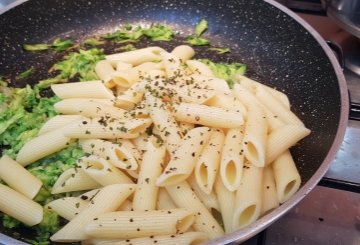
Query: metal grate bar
x,y
340,184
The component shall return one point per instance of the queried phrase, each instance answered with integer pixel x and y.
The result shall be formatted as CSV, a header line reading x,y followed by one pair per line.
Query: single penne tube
x,y
282,139
232,159
67,207
276,107
133,224
184,197
255,136
164,121
89,109
183,52
74,179
107,200
164,200
198,67
19,206
269,198
145,195
18,178
208,115
102,171
226,201
186,238
247,207
286,175
71,106
36,149
58,121
252,85
116,153
184,159
90,89
256,127
136,57
210,82
209,200
173,66
207,165
107,128
104,71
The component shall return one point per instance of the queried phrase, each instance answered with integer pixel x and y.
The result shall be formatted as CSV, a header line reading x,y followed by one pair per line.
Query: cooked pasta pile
x,y
167,143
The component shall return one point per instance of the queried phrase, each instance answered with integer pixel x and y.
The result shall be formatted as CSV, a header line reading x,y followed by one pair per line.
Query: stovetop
x,y
330,214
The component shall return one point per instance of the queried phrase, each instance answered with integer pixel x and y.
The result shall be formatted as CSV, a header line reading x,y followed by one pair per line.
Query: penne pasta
x,y
58,121
183,52
232,159
277,107
247,207
209,200
90,89
164,121
74,179
107,128
89,109
255,134
18,178
287,177
102,171
269,198
107,200
55,141
282,139
145,195
116,153
19,206
184,197
164,200
67,207
186,238
207,165
198,67
132,224
184,159
226,201
104,71
208,116
136,57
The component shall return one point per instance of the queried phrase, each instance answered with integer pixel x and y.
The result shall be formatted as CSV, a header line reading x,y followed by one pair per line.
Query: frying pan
x,y
279,48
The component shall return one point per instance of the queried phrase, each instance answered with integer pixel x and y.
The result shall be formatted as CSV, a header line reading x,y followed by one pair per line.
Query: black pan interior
x,y
277,50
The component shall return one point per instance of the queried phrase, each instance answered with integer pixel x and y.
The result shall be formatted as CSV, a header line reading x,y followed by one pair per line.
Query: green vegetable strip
x,y
25,74
226,71
201,27
36,47
196,39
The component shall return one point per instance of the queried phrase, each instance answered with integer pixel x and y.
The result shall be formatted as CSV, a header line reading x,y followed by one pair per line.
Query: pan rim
x,y
261,224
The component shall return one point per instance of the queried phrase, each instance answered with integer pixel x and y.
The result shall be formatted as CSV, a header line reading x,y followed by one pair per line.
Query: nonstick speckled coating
x,y
276,48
